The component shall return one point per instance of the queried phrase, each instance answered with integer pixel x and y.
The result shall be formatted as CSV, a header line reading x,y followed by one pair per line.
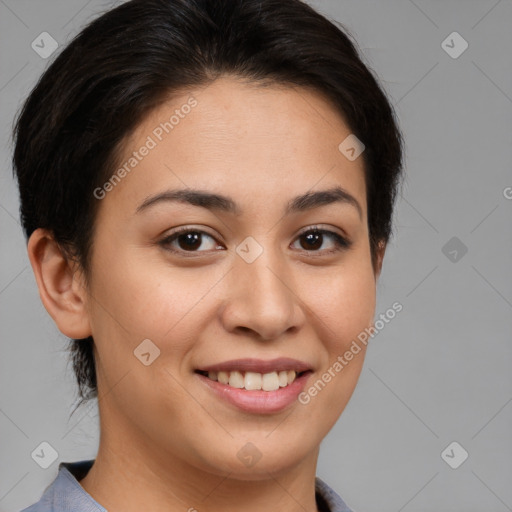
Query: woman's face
x,y
247,283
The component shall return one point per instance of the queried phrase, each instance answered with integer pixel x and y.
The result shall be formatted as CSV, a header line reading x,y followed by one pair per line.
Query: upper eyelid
x,y
320,227
313,227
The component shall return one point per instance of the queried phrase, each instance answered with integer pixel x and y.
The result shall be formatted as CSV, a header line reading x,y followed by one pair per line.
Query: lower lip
x,y
259,402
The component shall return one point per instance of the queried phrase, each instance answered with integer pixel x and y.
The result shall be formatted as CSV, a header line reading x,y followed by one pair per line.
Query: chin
x,y
250,463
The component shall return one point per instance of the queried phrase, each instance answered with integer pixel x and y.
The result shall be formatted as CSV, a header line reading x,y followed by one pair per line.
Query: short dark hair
x,y
129,60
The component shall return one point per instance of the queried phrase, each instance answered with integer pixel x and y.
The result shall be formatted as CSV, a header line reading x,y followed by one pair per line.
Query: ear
x,y
61,287
381,249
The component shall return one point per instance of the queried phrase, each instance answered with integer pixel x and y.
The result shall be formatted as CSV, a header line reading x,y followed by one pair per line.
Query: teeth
x,y
223,377
236,380
255,381
270,382
252,380
283,379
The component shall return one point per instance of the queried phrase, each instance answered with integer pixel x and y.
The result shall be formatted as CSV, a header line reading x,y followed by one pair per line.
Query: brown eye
x,y
189,240
313,240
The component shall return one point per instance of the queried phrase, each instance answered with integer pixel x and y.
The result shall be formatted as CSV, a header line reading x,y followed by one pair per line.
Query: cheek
x,y
343,304
140,297
137,298
343,301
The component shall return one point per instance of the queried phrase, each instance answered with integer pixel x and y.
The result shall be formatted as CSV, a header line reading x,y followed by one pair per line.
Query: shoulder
x,y
328,500
65,494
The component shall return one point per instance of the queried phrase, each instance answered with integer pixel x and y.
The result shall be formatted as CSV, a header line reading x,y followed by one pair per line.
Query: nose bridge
x,y
261,297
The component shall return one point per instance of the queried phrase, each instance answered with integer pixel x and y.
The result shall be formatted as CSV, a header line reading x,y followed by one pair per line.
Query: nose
x,y
262,299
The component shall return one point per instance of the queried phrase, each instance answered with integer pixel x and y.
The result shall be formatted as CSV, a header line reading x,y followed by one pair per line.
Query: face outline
x,y
243,141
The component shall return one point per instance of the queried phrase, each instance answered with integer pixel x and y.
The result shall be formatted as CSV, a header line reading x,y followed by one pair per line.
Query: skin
x,y
167,443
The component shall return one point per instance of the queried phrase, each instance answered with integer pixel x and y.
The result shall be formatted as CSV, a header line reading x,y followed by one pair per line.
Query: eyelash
x,y
341,242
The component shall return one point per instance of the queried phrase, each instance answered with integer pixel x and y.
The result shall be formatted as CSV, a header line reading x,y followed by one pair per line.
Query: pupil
x,y
192,240
313,238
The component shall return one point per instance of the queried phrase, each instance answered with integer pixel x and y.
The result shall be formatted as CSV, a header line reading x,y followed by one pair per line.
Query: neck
x,y
132,474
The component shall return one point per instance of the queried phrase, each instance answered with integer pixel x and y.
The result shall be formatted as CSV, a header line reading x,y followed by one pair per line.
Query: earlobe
x,y
381,249
56,280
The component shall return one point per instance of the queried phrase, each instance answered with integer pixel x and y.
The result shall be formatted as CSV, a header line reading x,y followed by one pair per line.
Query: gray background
x,y
437,373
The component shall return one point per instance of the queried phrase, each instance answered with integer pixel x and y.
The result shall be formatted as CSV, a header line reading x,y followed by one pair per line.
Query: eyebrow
x,y
218,202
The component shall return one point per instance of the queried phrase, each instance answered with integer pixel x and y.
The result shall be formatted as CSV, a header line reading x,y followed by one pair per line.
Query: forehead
x,y
247,140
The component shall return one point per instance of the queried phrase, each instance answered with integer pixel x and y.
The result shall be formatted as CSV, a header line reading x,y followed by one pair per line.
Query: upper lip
x,y
258,365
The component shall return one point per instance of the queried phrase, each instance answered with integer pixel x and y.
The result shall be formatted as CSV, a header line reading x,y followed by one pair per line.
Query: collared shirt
x,y
65,494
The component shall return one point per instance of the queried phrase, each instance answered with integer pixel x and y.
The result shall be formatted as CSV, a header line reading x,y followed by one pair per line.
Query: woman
x,y
207,189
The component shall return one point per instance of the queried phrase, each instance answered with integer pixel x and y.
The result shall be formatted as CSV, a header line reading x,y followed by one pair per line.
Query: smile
x,y
256,386
253,381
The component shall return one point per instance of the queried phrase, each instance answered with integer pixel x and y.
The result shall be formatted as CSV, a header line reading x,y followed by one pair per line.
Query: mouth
x,y
256,386
254,381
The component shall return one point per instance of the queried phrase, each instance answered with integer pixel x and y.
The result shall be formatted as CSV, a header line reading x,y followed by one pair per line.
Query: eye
x,y
313,239
187,239
190,240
